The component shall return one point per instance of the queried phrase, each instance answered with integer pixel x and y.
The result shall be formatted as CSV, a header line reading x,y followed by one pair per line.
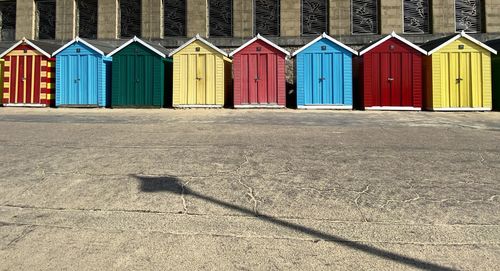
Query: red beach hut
x,y
390,73
259,74
29,74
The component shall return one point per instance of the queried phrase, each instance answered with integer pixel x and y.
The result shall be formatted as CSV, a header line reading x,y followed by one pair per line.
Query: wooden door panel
x,y
262,89
385,84
466,82
395,79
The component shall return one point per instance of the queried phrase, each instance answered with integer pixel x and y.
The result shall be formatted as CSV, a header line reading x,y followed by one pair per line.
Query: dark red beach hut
x,y
259,74
390,75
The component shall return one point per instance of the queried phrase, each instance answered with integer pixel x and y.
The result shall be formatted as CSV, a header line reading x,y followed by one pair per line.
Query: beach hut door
x,y
460,90
260,87
25,88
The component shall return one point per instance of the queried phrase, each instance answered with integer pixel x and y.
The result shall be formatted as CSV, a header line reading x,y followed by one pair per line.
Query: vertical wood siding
x,y
199,76
324,75
259,75
460,78
29,77
137,78
393,77
81,77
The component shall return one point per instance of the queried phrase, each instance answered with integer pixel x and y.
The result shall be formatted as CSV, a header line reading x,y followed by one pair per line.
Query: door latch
x,y
322,78
459,80
198,78
390,79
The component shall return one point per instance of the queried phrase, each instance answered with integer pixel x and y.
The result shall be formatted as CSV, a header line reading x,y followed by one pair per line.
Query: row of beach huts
x,y
447,74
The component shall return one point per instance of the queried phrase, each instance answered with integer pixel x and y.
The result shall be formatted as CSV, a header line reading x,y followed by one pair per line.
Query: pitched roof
x,y
495,44
325,36
101,48
156,48
259,37
195,38
44,48
376,43
435,45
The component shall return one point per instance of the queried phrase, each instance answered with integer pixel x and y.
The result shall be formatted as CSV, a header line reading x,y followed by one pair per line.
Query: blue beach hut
x,y
324,74
82,74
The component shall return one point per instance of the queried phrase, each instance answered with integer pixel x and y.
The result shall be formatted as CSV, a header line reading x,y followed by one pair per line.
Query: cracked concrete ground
x,y
248,190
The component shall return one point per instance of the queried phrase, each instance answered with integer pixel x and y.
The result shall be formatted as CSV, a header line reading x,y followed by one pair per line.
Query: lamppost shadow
x,y
173,185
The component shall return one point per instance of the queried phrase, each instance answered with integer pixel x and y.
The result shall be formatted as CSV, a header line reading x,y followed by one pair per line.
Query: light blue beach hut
x,y
324,74
82,74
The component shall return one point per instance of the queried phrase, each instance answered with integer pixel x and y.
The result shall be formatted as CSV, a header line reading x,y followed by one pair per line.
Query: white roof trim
x,y
259,37
24,40
464,35
75,40
197,37
396,36
325,36
136,39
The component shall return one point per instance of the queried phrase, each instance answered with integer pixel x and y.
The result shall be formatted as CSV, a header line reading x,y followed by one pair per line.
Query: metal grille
x,y
314,17
46,19
175,18
416,16
87,19
267,17
130,18
7,20
221,18
468,15
364,16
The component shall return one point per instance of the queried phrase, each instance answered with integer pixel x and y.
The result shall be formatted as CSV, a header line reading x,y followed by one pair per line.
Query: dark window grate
x,y
46,19
221,18
314,17
174,14
267,17
130,18
364,16
416,20
7,20
468,15
87,18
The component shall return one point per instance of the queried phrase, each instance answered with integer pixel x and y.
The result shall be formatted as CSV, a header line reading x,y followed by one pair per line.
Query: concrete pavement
x,y
248,190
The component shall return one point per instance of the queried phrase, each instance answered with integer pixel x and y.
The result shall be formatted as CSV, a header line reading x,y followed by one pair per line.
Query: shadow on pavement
x,y
172,184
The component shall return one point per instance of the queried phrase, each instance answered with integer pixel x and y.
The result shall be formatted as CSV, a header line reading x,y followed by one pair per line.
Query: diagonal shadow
x,y
172,184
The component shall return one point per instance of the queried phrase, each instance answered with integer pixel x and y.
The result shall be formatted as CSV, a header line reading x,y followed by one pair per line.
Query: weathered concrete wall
x,y
65,19
25,19
492,13
107,27
290,18
152,19
443,16
340,17
391,16
391,19
242,18
197,17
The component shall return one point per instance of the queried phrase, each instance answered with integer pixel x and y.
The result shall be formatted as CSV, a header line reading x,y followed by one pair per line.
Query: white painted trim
x,y
325,107
259,37
393,108
325,36
396,36
136,39
464,35
251,106
198,37
75,40
460,109
24,40
24,105
198,106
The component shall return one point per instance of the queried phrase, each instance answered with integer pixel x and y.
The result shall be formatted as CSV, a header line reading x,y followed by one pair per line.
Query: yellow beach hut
x,y
201,74
458,74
